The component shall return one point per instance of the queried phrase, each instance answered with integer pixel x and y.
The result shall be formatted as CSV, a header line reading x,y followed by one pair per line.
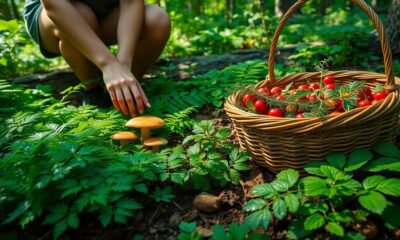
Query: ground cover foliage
x,y
59,168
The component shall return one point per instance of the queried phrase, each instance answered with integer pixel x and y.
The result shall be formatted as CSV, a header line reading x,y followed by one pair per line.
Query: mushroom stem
x,y
156,148
145,132
124,143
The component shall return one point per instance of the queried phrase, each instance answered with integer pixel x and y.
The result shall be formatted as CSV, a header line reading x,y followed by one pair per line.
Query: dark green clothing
x,y
32,9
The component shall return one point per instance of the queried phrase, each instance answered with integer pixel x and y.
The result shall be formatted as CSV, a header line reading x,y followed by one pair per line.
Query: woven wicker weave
x,y
280,143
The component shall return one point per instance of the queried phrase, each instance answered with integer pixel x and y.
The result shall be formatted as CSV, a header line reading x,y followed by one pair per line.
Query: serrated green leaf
x,y
336,159
357,159
386,149
259,218
314,186
372,181
296,230
390,186
290,176
335,229
349,187
382,164
59,229
280,185
219,233
314,222
332,172
279,208
106,216
345,216
264,190
73,220
254,204
241,166
234,176
141,187
354,236
373,201
314,168
292,202
187,227
180,177
58,212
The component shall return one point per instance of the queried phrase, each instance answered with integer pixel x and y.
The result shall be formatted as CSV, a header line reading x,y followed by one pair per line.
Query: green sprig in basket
x,y
280,143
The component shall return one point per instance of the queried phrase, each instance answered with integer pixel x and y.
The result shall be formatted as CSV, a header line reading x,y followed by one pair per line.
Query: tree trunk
x,y
229,12
392,26
281,6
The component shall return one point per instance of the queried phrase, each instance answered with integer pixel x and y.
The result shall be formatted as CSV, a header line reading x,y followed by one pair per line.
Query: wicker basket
x,y
280,143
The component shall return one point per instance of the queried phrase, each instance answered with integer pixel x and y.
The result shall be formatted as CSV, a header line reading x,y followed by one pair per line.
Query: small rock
x,y
206,202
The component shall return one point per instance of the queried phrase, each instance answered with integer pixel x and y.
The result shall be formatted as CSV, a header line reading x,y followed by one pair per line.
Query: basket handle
x,y
387,53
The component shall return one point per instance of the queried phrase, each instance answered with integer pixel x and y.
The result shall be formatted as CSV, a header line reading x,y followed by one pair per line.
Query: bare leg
x,y
54,42
154,36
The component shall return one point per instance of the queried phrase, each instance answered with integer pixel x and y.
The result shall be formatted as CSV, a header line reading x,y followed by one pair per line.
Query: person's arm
x,y
119,80
129,27
130,23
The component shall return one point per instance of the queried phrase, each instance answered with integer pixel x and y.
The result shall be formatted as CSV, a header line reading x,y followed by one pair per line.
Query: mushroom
x,y
124,137
155,142
145,123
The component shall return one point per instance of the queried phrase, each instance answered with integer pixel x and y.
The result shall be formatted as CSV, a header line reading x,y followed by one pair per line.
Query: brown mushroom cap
x,y
155,142
124,136
145,122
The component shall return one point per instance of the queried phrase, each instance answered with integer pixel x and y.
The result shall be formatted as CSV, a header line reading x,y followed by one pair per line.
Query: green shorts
x,y
32,11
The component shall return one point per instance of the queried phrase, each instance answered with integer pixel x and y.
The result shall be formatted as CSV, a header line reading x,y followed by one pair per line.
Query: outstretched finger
x,y
138,98
114,100
129,101
121,101
144,97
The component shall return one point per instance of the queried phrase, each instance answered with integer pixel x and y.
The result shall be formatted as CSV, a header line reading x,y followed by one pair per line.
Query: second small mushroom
x,y
124,137
155,142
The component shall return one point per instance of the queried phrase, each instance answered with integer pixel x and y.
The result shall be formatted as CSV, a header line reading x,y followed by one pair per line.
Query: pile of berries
x,y
316,99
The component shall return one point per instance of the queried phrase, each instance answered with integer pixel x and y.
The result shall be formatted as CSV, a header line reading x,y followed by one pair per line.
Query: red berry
x,y
280,98
303,99
330,86
248,97
328,80
367,91
303,87
339,106
314,85
364,103
300,115
276,91
275,112
380,95
261,107
264,90
300,111
312,98
361,96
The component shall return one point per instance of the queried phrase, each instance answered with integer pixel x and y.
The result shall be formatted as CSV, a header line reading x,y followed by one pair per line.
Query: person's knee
x,y
158,22
88,14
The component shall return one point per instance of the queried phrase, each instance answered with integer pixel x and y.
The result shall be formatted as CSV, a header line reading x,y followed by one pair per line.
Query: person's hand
x,y
125,91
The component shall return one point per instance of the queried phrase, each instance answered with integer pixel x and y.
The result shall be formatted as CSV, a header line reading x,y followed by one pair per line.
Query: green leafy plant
x,y
331,198
212,157
234,232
